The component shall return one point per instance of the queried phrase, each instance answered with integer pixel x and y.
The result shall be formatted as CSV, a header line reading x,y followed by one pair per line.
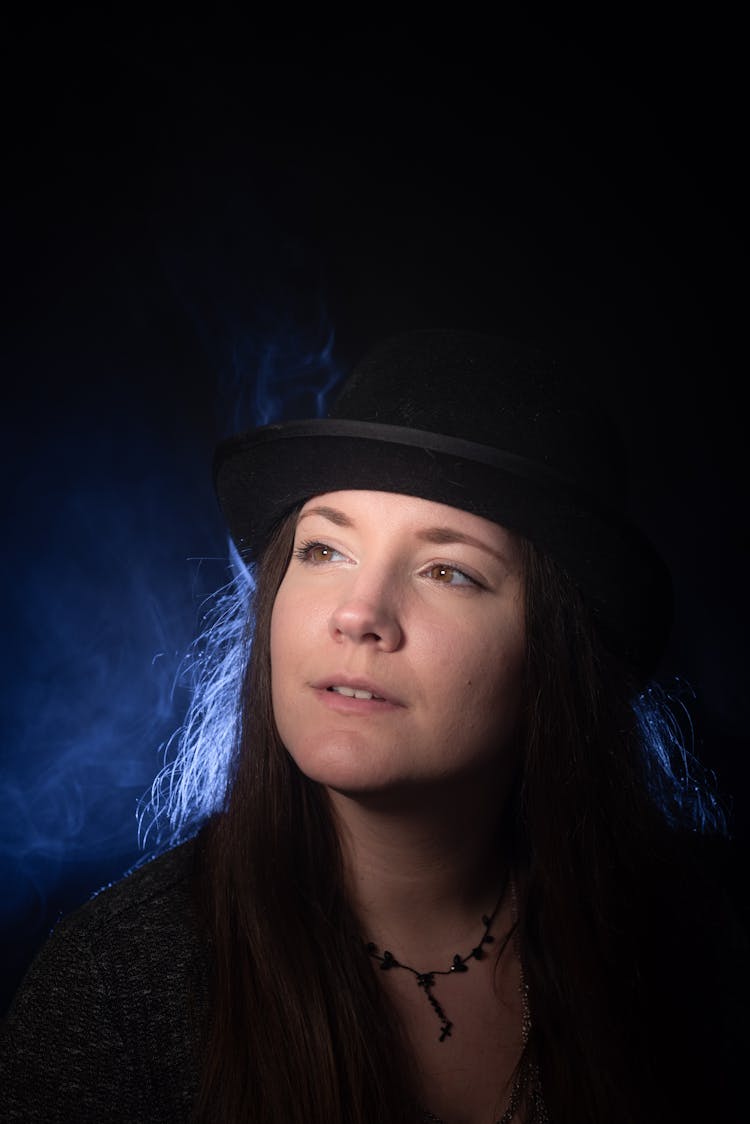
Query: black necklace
x,y
426,980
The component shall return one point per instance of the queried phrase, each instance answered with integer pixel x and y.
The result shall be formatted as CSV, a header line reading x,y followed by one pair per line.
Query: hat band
x,y
440,443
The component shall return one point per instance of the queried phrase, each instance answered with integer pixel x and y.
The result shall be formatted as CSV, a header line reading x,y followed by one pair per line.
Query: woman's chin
x,y
352,779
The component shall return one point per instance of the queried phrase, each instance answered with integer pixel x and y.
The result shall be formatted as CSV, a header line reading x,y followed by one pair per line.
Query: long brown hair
x,y
300,1031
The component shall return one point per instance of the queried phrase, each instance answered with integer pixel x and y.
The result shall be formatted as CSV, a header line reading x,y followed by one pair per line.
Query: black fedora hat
x,y
484,425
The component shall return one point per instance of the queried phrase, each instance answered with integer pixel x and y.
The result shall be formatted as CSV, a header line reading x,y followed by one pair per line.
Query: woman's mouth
x,y
348,698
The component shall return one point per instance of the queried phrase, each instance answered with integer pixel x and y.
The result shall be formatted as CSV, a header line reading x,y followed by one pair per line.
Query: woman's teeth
x,y
354,693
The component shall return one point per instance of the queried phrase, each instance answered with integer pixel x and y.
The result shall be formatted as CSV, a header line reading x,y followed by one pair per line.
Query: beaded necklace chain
x,y
426,980
527,1083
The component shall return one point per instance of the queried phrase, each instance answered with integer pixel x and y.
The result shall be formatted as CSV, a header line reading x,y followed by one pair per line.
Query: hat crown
x,y
491,392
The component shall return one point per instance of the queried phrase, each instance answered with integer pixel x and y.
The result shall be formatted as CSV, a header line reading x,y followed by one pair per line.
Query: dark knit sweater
x,y
103,1026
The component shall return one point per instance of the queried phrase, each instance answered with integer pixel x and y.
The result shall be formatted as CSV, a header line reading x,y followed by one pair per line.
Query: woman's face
x,y
397,643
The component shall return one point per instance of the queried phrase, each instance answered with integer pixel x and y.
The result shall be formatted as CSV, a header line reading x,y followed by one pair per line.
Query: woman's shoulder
x,y
112,1005
147,912
155,895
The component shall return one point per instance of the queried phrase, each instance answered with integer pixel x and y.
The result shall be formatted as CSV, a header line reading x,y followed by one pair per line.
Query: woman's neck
x,y
422,873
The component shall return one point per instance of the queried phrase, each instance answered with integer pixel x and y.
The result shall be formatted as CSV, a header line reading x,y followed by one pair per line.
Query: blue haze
x,y
113,544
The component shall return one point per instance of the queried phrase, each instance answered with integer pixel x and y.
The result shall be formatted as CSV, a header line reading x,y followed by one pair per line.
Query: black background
x,y
179,196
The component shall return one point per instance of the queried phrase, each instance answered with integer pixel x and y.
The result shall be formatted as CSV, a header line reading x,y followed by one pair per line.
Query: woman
x,y
451,873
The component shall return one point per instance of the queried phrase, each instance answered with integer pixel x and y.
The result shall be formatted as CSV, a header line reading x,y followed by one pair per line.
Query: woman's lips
x,y
346,701
344,704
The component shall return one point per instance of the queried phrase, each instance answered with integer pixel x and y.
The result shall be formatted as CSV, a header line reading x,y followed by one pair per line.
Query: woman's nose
x,y
366,620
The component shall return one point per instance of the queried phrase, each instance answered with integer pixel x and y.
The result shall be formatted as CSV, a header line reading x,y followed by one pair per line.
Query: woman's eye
x,y
316,552
449,575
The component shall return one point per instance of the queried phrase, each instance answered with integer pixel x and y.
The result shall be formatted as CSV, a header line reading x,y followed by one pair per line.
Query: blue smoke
x,y
288,382
268,341
102,605
114,551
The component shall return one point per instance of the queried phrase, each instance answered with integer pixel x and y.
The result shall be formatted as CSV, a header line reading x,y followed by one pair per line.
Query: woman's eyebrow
x,y
445,535
330,513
